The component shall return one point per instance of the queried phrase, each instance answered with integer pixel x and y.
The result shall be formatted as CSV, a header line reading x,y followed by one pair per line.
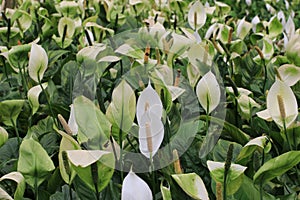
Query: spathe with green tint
x,y
3,136
192,184
234,175
94,167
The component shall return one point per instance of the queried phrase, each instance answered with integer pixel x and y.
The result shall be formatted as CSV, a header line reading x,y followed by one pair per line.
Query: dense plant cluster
x,y
159,99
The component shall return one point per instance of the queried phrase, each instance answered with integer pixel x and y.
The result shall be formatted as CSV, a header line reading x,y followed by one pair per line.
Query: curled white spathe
x,y
38,62
208,92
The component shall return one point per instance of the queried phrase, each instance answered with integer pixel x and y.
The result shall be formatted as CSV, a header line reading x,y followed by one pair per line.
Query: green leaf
x,y
34,162
94,128
17,56
276,166
64,194
248,191
121,110
82,162
92,123
229,130
3,136
234,175
33,97
19,179
10,110
9,153
192,184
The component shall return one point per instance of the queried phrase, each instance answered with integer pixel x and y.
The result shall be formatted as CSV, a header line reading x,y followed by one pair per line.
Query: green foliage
x,y
225,72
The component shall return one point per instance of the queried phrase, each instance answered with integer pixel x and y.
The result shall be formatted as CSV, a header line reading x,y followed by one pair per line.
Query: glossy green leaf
x,y
19,179
17,56
10,110
192,184
34,162
3,136
248,191
92,123
121,110
276,166
102,163
230,130
38,62
33,96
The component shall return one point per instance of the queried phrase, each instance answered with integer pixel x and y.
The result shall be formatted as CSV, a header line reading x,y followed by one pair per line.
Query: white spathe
x,y
208,92
281,90
135,188
38,62
151,129
197,12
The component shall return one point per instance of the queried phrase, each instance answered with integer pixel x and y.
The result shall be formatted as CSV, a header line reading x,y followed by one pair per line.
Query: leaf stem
x,y
16,130
48,100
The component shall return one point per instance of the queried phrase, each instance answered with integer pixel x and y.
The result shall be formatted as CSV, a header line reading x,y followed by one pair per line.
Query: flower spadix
x,y
149,113
72,121
208,92
134,188
281,105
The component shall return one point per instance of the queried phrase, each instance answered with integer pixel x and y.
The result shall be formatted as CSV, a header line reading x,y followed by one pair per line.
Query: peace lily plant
x,y
79,121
